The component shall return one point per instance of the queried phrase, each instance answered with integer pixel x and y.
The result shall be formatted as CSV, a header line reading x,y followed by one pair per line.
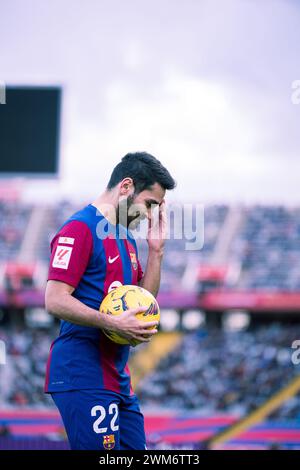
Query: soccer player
x,y
92,253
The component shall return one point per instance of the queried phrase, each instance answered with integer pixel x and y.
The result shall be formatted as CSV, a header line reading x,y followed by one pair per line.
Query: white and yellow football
x,y
125,297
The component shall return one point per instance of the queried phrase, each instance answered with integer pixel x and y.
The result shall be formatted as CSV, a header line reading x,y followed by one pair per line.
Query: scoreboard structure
x,y
30,131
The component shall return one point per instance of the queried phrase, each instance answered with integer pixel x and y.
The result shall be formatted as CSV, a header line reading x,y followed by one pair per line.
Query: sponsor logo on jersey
x,y
112,260
114,285
66,240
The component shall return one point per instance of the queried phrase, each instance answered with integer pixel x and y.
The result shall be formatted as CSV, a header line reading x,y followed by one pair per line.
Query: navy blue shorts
x,y
101,420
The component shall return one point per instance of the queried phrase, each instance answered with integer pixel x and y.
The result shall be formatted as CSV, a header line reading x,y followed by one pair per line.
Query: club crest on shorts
x,y
133,260
109,441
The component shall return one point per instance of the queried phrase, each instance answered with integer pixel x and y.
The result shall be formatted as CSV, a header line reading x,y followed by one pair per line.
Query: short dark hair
x,y
144,169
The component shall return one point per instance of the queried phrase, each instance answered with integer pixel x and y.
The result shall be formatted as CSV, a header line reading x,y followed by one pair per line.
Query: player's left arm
x,y
157,233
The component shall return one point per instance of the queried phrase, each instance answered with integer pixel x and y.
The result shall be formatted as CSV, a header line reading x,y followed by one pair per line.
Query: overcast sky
x,y
203,85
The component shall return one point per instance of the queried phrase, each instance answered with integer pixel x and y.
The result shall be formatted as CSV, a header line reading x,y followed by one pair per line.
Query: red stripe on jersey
x,y
48,368
108,349
114,267
108,356
127,370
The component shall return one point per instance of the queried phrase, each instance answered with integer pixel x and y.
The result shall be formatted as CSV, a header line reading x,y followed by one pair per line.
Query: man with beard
x,y
92,253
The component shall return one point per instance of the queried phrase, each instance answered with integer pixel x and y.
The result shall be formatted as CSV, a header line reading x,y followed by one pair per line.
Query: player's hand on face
x,y
131,328
157,230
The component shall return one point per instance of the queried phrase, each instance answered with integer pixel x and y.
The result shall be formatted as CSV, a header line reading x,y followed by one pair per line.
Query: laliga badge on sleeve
x,y
62,257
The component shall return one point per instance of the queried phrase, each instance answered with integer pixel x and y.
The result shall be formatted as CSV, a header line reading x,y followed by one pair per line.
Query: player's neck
x,y
107,204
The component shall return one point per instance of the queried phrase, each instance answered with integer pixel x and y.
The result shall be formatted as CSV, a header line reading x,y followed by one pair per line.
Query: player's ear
x,y
126,186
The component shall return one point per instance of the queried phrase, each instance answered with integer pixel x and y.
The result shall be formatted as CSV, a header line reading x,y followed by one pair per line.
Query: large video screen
x,y
29,131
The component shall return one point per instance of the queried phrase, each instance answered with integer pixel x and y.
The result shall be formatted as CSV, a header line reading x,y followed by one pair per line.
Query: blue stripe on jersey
x,y
127,276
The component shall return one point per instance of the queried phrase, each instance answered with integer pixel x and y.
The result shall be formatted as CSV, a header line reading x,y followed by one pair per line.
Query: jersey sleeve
x,y
71,249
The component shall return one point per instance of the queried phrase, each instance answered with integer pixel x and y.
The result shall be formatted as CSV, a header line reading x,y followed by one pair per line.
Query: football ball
x,y
125,297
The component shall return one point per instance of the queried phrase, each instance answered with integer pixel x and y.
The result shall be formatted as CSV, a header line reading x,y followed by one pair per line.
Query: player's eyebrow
x,y
149,202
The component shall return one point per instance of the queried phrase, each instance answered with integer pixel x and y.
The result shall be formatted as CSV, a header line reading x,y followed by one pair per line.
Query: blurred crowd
x,y
212,370
54,219
14,218
224,371
267,246
290,410
22,377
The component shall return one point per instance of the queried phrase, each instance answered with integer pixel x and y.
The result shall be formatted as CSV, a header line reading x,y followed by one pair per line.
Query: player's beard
x,y
126,215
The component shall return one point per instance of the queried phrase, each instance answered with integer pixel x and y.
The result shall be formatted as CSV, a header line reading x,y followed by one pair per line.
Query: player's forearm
x,y
66,307
151,278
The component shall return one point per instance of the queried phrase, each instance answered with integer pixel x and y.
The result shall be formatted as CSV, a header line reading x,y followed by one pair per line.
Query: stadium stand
x,y
14,218
197,375
22,377
214,377
267,246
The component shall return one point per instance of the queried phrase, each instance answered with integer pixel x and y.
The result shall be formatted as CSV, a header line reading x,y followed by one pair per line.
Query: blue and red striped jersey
x,y
92,256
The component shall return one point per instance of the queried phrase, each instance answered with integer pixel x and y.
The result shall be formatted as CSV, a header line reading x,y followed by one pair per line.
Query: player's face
x,y
141,205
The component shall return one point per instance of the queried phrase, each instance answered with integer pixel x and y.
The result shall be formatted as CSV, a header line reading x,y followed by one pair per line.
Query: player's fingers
x,y
147,332
134,311
162,208
142,339
124,335
150,324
